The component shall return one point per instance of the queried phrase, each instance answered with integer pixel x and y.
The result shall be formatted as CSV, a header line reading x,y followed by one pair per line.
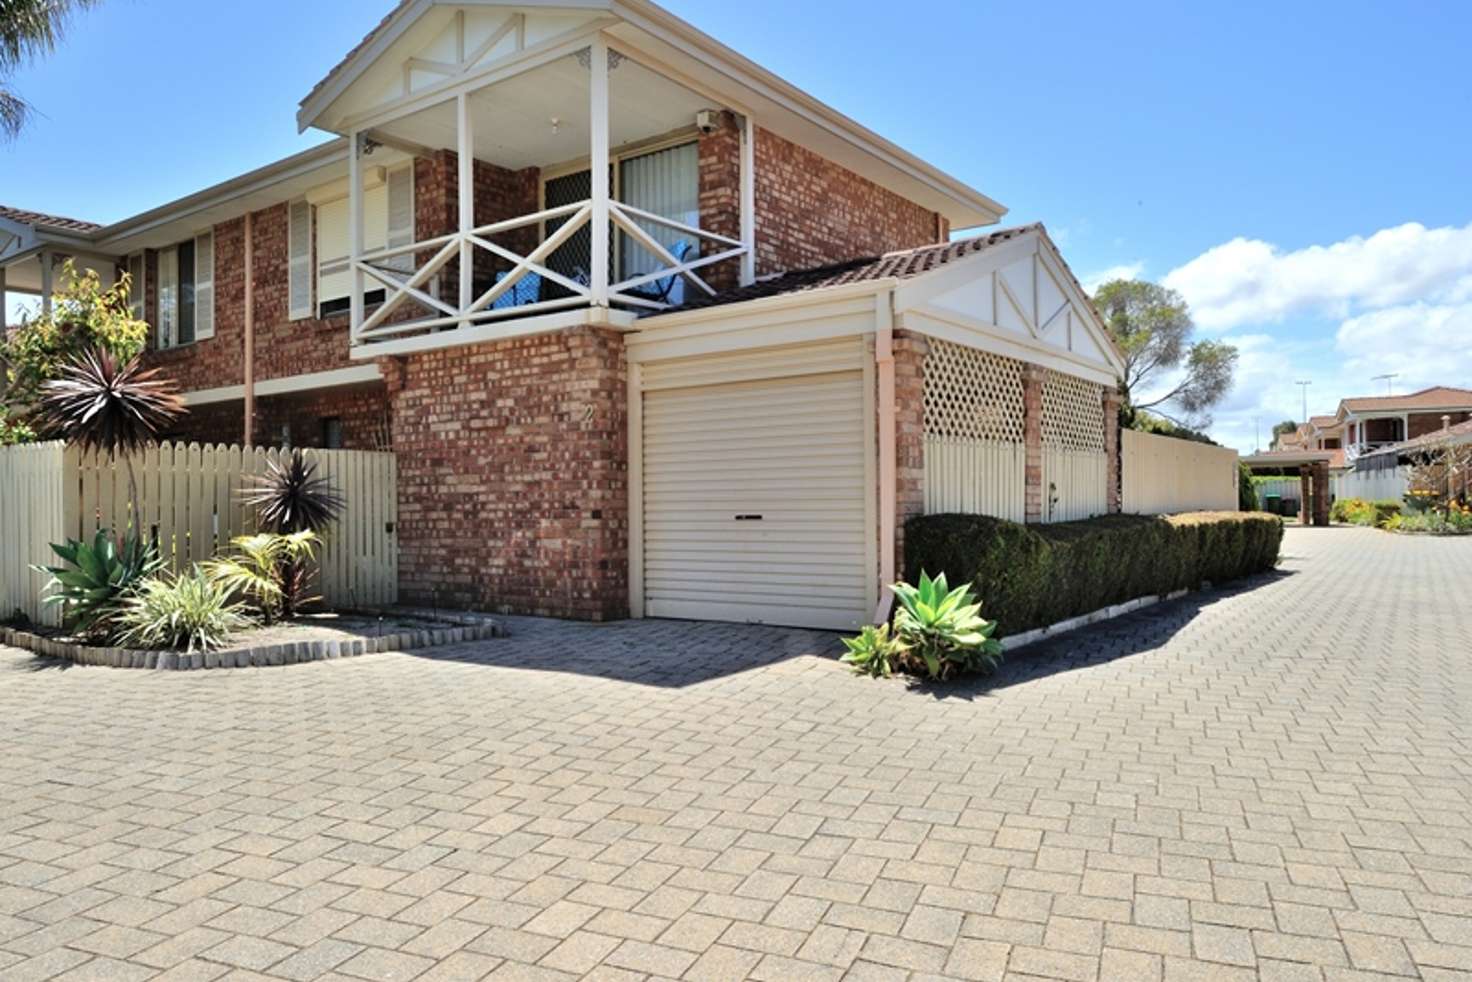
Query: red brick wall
x,y
1112,449
1032,434
809,210
812,212
512,464
909,399
1424,423
720,197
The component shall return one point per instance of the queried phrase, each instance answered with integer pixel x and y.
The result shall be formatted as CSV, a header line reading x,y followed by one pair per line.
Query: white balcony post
x,y
598,169
465,148
748,200
355,232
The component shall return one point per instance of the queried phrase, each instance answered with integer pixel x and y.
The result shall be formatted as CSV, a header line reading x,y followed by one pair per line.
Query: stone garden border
x,y
465,627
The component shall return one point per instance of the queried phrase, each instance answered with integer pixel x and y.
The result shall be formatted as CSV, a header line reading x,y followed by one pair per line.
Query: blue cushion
x,y
526,290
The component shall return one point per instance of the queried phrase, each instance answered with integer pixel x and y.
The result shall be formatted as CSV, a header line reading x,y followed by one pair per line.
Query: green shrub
x,y
96,578
1358,511
1031,576
1246,490
873,652
190,612
943,630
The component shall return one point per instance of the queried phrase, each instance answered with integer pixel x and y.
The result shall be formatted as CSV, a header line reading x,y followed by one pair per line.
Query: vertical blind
x,y
665,182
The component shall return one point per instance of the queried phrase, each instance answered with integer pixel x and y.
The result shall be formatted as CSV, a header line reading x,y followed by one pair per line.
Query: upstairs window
x,y
388,220
186,292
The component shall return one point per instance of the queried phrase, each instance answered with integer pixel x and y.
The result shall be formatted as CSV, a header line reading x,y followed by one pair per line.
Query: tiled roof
x,y
899,265
48,221
1324,422
1436,397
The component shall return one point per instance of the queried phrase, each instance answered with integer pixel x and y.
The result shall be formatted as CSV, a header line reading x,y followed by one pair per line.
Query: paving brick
x,y
672,797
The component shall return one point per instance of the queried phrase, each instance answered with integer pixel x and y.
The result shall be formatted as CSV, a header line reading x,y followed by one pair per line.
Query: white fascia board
x,y
382,39
262,179
289,384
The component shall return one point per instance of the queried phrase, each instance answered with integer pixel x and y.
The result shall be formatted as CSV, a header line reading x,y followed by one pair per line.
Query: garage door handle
x,y
748,518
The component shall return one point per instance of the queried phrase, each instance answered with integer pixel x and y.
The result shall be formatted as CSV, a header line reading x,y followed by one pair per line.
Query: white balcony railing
x,y
404,284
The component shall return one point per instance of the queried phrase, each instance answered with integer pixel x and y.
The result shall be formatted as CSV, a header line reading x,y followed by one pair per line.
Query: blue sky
x,y
1299,171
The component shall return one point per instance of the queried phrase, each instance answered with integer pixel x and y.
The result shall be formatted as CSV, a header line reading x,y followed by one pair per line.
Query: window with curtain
x,y
665,182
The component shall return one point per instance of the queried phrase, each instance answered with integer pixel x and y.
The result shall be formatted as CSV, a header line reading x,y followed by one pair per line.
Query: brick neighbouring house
x,y
714,388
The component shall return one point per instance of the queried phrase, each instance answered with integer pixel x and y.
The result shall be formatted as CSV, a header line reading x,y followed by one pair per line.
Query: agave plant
x,y
944,628
110,407
271,570
291,497
97,577
873,652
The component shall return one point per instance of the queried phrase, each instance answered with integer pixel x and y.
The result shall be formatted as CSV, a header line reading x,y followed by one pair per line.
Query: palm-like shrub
x,y
96,577
944,629
291,497
109,407
272,571
190,612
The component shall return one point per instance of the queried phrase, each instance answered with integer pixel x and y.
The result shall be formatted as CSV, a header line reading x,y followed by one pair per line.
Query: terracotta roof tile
x,y
48,221
899,265
1436,397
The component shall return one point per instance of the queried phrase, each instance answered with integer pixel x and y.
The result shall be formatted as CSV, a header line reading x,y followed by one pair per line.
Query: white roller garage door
x,y
755,490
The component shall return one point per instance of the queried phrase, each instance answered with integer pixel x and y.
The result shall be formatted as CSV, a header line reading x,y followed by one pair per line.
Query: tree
x,y
84,317
1283,429
28,30
1152,326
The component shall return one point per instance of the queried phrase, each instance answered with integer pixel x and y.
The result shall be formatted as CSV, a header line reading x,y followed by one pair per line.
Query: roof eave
x,y
973,208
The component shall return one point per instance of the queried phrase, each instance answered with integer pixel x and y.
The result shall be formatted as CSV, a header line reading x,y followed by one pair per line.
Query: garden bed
x,y
314,637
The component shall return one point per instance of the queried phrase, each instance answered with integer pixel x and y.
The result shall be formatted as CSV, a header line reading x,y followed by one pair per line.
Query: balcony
x,y
523,239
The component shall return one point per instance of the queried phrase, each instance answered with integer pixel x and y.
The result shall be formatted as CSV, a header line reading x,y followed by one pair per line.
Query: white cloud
x,y
1422,344
1249,281
1124,271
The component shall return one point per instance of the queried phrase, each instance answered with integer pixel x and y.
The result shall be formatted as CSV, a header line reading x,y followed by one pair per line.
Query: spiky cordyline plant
x,y
291,497
108,407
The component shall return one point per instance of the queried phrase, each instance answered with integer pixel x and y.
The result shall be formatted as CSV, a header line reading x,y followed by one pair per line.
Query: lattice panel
x,y
1073,413
971,394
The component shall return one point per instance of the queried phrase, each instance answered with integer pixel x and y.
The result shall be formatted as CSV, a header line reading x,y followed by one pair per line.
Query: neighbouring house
x,y
712,384
1373,422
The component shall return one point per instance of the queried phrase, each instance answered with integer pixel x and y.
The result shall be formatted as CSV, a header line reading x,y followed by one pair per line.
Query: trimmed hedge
x,y
1031,576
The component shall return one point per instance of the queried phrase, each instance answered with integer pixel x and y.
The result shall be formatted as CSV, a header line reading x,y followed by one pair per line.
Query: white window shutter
x,y
204,286
136,285
401,216
299,261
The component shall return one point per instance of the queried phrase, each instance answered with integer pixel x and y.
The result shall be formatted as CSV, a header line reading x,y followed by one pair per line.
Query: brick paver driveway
x,y
1267,783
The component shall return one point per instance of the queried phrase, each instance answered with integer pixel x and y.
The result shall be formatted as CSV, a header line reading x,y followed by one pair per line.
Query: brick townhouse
x,y
711,386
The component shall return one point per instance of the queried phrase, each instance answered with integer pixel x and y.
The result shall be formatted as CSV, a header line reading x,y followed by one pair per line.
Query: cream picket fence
x,y
190,503
1163,475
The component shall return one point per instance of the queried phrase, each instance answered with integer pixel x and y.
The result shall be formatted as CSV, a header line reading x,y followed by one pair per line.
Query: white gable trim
x,y
921,294
951,326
